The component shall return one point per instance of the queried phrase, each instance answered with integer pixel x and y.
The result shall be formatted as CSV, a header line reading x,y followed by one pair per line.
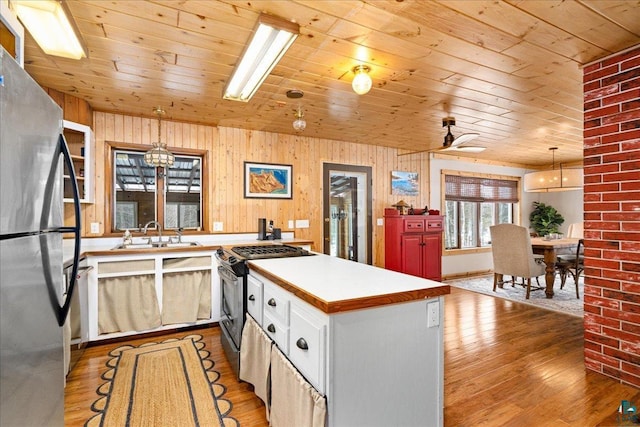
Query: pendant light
x,y
159,156
299,123
361,83
563,179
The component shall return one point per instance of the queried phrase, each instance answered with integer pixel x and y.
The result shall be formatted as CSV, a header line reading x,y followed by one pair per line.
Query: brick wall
x,y
612,216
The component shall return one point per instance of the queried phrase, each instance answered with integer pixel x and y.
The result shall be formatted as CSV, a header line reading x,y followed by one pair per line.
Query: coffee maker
x,y
268,232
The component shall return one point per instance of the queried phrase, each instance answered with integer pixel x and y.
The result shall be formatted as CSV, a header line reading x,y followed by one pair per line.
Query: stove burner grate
x,y
269,251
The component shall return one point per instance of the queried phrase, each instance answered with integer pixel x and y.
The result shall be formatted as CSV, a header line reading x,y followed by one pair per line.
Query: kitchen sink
x,y
156,245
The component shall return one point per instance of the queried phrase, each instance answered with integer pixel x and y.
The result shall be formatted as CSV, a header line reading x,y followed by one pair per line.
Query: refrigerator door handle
x,y
64,310
61,149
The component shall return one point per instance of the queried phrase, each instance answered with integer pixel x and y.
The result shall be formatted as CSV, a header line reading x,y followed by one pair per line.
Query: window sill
x,y
450,252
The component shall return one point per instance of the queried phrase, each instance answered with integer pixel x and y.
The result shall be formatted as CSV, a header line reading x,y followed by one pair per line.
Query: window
x,y
473,204
141,193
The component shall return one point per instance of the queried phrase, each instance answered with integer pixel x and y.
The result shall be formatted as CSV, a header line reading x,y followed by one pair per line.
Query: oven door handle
x,y
223,272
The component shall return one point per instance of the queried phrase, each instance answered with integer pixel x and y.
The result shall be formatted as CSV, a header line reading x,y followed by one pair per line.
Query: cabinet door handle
x,y
271,302
271,328
302,344
252,298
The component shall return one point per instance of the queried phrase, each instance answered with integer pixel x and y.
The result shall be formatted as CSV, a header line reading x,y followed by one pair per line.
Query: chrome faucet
x,y
146,226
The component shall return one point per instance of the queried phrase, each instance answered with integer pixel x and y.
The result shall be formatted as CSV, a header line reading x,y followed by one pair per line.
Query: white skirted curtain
x,y
255,359
294,402
127,304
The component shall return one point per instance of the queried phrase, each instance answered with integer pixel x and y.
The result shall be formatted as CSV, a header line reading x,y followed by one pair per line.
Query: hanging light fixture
x,y
159,156
361,83
563,179
299,123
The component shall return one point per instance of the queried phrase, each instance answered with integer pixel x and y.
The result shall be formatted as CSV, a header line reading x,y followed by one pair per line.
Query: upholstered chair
x,y
513,255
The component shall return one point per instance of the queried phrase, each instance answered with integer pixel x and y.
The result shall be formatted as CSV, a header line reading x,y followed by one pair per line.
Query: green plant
x,y
545,219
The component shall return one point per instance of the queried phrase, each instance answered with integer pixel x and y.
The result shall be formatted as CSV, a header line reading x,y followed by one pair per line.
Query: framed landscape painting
x,y
404,183
267,181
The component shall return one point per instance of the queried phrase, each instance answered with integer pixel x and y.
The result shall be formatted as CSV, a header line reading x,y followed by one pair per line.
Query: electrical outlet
x,y
380,221
433,314
217,226
291,225
95,228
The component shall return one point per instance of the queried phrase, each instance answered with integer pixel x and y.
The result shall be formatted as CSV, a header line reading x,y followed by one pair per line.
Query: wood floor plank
x,y
506,364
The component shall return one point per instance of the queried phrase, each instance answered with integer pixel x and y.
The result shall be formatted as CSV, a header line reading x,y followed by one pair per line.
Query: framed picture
x,y
404,183
267,181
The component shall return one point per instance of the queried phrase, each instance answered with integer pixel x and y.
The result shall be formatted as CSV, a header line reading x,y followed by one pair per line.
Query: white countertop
x,y
328,280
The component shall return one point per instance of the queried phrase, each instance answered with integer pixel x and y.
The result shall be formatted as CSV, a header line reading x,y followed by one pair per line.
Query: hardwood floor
x,y
506,364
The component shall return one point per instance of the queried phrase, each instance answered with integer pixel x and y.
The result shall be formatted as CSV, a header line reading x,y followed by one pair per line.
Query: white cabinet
x,y
254,298
364,361
133,294
275,315
307,351
79,140
296,327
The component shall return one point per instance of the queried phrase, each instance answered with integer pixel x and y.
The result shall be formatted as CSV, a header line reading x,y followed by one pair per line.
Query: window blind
x,y
473,189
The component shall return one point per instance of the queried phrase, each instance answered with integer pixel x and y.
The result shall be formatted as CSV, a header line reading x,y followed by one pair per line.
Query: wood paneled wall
x,y
228,148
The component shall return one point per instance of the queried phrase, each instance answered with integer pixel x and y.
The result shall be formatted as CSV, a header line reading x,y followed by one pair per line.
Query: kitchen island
x,y
370,340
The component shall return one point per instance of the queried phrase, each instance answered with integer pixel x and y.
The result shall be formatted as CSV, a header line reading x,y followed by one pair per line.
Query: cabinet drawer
x,y
434,225
276,303
276,331
307,347
254,298
414,225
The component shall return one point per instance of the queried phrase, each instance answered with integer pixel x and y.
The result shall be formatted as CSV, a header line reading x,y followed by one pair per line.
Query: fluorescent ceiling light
x,y
52,26
271,39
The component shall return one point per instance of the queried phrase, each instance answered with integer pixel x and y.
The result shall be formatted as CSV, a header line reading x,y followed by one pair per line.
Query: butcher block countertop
x,y
105,246
334,285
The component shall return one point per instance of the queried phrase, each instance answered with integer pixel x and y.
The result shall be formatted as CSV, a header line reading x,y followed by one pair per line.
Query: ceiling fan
x,y
452,143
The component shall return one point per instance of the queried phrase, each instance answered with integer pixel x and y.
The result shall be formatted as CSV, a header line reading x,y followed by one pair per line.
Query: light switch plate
x,y
291,224
380,221
217,226
95,227
302,223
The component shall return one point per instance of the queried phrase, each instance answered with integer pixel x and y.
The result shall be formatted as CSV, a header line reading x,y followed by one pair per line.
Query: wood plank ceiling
x,y
509,70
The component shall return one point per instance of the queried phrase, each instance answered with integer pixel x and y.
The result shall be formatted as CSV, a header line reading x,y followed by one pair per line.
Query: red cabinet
x,y
413,244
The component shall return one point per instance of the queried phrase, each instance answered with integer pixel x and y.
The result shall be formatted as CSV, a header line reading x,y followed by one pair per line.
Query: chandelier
x,y
563,179
159,156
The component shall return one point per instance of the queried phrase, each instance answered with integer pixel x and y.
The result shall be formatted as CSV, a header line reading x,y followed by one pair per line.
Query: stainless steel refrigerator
x,y
34,298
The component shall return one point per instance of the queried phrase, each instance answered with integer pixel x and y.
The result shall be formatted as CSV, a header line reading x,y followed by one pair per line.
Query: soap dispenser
x,y
127,239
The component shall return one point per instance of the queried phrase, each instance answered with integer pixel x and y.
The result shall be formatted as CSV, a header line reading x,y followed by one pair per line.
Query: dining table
x,y
550,249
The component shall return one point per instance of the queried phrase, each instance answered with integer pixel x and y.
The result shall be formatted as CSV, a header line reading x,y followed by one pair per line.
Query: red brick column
x,y
612,216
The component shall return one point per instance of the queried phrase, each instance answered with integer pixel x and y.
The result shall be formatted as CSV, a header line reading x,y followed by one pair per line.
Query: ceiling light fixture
x,y
361,83
52,26
563,179
299,123
159,156
271,39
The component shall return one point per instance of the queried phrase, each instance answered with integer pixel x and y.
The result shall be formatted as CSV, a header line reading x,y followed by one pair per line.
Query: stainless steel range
x,y
233,270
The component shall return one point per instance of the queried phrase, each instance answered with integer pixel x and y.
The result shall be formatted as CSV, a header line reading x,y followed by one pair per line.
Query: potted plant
x,y
545,219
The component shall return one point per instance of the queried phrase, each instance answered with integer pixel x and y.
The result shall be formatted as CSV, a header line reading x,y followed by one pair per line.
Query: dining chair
x,y
576,230
513,256
571,264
